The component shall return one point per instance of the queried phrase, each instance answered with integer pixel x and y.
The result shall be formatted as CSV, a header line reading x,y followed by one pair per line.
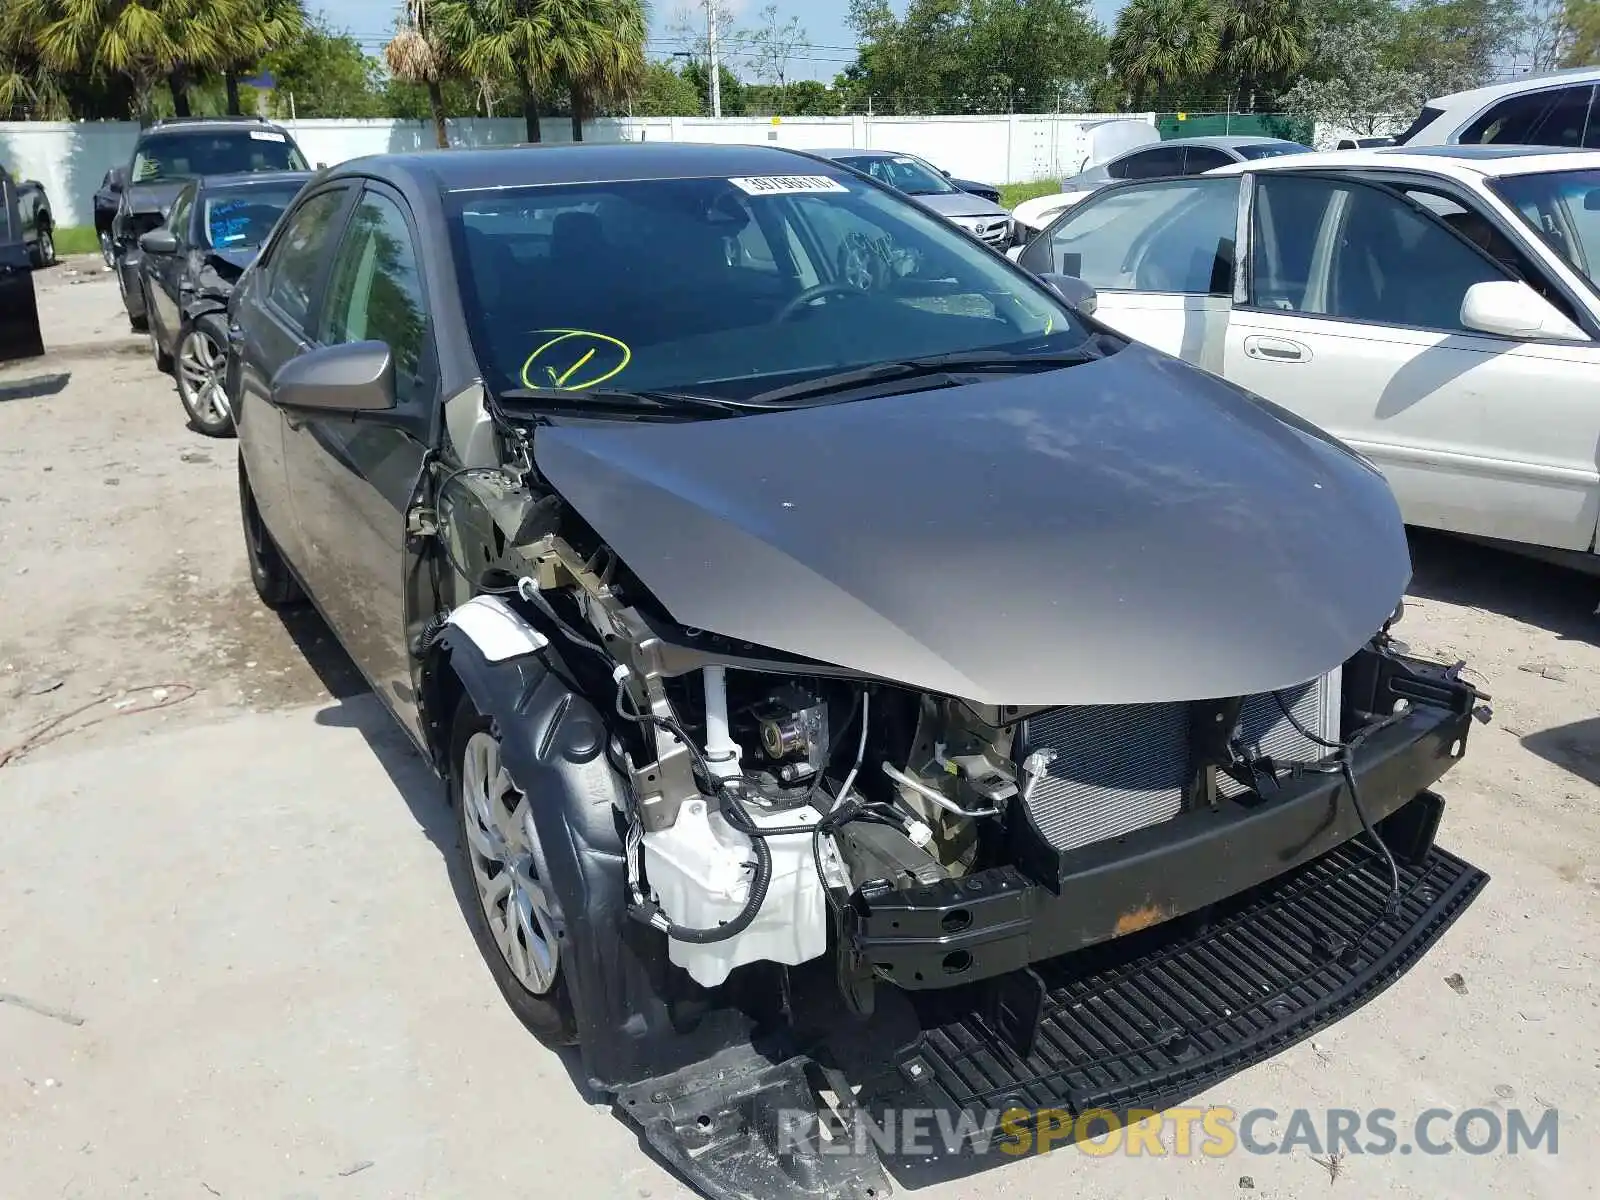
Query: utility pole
x,y
715,57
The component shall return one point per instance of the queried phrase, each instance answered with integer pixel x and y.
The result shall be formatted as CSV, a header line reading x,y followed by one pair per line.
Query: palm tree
x,y
144,40
265,26
415,55
1164,44
25,81
496,39
615,31
1263,41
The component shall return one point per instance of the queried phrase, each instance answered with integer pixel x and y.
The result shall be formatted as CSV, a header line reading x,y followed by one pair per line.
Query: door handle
x,y
1276,349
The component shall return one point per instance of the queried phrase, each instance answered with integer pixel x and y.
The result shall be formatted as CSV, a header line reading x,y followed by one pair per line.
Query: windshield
x,y
1270,149
903,173
164,156
730,287
241,219
1563,208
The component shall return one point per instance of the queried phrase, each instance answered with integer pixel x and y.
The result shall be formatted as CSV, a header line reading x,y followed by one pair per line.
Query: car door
x,y
1159,256
269,323
163,273
351,481
19,312
1350,315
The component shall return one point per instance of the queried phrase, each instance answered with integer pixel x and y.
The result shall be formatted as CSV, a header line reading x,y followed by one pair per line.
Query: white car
x,y
1436,309
1557,108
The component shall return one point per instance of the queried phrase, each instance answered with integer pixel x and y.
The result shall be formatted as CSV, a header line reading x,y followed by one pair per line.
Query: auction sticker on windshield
x,y
266,135
782,185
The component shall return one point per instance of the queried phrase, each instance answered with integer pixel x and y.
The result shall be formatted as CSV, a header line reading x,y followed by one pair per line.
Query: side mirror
x,y
353,378
1074,291
158,241
116,179
322,166
947,174
1508,308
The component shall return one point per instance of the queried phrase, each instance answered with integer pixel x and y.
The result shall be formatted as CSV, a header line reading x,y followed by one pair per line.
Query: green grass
x,y
77,239
1013,194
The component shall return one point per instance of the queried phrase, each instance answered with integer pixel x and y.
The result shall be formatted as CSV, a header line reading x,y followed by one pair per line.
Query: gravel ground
x,y
222,877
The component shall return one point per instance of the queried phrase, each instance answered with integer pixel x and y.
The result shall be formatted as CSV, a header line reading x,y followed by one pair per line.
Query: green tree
x,y
327,74
1454,44
1361,93
1163,47
732,89
664,92
28,87
1582,20
417,56
971,56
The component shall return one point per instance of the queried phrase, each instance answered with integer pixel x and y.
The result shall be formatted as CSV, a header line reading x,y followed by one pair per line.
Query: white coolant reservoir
x,y
700,875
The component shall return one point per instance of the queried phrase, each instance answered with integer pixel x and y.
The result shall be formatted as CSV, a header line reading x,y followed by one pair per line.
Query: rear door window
x,y
1149,164
1199,159
1557,117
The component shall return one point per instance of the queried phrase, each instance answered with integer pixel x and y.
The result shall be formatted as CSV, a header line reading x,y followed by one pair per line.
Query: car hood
x,y
153,197
1130,530
960,204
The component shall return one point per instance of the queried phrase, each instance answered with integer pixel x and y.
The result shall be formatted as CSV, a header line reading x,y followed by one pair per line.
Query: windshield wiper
x,y
616,400
1000,361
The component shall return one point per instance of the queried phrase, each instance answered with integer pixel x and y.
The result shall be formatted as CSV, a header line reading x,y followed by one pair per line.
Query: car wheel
x,y
162,359
201,363
273,581
44,249
507,898
108,249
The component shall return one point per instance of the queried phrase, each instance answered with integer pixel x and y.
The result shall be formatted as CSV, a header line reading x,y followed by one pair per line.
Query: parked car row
x,y
196,201
1436,308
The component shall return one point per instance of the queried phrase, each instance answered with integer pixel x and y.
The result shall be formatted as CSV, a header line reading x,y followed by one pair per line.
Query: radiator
x,y
1123,767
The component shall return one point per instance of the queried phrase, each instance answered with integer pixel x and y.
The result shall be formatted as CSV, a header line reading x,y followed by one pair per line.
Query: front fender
x,y
638,1017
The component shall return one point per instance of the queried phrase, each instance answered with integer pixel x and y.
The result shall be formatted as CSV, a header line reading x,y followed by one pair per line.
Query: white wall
x,y
70,158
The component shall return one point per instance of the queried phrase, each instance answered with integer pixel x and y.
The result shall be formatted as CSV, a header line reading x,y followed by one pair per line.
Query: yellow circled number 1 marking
x,y
599,357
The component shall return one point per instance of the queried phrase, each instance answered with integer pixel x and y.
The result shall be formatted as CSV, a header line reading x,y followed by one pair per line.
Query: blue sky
x,y
824,20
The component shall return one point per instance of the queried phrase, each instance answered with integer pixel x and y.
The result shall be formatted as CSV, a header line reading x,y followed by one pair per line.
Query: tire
x,y
44,248
200,365
487,806
270,574
162,359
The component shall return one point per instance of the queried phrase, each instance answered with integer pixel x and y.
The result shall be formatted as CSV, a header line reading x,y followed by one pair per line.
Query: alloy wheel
x,y
200,369
505,865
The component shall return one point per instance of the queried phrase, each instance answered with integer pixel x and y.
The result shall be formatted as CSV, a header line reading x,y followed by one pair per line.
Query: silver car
x,y
953,199
1175,156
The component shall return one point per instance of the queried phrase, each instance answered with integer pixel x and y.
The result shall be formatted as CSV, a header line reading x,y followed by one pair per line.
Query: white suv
x,y
1556,109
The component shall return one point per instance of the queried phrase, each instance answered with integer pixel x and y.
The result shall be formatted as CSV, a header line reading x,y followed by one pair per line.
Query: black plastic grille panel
x,y
1158,1017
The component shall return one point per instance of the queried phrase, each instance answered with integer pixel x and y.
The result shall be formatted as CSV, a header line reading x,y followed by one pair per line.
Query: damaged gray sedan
x,y
864,682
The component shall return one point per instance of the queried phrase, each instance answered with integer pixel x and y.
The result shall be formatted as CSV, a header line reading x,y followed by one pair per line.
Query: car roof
x,y
1525,83
1483,161
1223,141
858,152
511,166
211,125
246,179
